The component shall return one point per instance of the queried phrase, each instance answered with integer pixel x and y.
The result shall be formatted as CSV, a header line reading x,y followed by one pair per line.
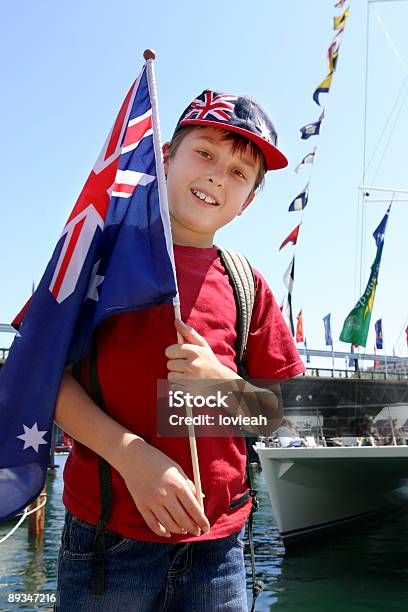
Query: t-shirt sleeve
x,y
271,353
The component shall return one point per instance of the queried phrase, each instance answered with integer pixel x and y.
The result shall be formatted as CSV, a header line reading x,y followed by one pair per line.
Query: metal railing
x,y
387,428
360,374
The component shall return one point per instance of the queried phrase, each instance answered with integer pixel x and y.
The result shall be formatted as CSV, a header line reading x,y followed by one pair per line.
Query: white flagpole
x,y
149,55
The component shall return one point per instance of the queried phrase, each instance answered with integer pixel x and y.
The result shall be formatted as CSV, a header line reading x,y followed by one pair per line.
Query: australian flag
x,y
114,255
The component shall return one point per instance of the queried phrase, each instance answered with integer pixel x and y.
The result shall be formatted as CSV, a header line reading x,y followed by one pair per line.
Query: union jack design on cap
x,y
240,114
219,106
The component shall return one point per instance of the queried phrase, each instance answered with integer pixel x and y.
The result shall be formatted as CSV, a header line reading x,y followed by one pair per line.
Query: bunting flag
x,y
307,355
292,237
308,159
333,55
114,255
378,334
300,202
340,3
340,21
299,328
323,87
327,330
288,279
356,326
311,129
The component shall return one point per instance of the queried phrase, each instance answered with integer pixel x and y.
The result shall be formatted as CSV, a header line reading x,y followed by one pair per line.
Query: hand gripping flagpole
x,y
149,55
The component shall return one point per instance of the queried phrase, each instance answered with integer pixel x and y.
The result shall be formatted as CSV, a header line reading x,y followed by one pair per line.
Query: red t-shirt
x,y
131,358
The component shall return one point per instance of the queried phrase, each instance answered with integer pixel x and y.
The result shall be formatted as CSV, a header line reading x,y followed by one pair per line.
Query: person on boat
x,y
159,549
288,435
366,432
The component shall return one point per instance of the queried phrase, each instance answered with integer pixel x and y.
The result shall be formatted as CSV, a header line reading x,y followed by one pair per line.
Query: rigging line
x,y
356,246
366,167
396,101
390,136
405,68
393,45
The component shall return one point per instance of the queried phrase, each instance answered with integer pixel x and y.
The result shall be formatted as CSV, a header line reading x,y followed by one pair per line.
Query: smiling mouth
x,y
204,197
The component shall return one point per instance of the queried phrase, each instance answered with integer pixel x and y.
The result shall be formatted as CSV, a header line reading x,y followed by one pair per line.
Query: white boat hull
x,y
314,489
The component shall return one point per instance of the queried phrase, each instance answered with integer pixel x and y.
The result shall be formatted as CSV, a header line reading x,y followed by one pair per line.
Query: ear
x,y
247,203
165,150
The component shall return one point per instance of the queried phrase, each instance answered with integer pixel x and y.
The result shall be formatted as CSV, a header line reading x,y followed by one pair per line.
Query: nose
x,y
215,181
218,172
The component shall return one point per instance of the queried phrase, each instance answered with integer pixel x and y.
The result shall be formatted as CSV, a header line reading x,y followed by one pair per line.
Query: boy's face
x,y
204,165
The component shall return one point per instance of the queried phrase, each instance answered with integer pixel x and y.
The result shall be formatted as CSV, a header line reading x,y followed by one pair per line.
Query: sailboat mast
x,y
363,212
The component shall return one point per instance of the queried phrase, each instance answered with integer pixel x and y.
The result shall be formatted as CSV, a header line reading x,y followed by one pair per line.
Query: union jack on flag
x,y
219,106
114,255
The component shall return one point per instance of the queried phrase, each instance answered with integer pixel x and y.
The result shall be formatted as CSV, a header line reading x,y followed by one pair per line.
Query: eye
x,y
204,154
240,174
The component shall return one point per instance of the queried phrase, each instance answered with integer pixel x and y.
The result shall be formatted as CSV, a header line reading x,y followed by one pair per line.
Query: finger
x,y
154,525
191,506
169,521
190,334
172,351
180,351
182,518
191,484
176,377
176,365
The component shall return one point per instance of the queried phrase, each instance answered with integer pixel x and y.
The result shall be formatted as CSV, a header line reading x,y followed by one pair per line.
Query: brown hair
x,y
239,145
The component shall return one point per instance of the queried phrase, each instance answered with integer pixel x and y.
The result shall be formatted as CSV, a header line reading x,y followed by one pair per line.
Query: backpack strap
x,y
105,483
243,282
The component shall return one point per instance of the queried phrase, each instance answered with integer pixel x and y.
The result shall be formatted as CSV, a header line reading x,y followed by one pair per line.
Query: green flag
x,y
356,326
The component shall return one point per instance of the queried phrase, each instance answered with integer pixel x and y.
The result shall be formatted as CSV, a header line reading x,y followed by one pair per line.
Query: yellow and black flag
x,y
323,87
340,21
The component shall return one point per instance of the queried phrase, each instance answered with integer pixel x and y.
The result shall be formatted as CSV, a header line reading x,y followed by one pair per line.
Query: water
x,y
29,566
364,569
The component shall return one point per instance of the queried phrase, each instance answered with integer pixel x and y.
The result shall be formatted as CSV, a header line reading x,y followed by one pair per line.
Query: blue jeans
x,y
204,576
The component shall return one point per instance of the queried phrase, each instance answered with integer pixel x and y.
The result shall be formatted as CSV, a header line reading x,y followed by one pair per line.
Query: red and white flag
x,y
292,237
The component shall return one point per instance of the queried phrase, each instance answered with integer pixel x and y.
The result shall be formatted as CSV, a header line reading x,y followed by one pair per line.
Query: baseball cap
x,y
240,114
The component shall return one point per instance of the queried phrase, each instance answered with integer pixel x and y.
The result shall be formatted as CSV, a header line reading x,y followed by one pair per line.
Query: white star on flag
x,y
265,133
32,437
96,280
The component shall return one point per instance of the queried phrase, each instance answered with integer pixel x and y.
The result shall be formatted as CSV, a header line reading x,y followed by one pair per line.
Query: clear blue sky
x,y
66,67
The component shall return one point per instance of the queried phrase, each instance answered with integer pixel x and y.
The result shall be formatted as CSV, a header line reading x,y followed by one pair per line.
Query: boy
x,y
162,552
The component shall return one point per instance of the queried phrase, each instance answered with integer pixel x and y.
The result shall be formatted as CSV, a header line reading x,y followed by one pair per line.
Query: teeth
x,y
204,197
